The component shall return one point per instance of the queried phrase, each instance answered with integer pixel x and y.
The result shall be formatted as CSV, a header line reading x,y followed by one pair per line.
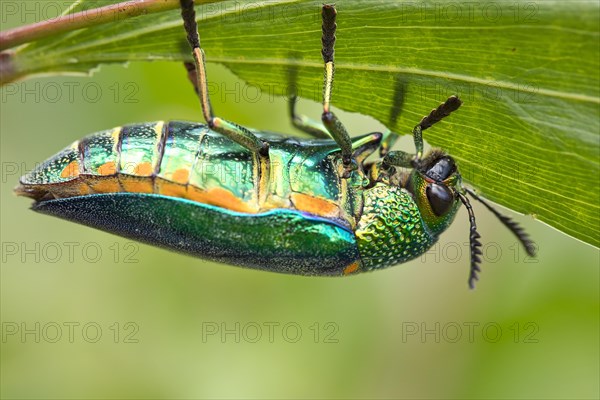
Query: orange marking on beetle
x,y
351,268
108,168
181,176
84,189
136,184
221,198
102,184
171,189
143,169
72,188
315,205
71,170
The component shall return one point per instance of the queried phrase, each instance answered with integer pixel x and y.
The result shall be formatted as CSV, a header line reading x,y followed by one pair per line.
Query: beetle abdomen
x,y
121,159
176,159
185,160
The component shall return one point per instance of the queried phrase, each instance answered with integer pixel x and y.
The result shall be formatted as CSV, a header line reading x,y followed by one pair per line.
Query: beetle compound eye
x,y
441,169
440,198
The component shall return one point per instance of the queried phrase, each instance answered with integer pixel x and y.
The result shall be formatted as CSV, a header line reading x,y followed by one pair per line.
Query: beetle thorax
x,y
390,229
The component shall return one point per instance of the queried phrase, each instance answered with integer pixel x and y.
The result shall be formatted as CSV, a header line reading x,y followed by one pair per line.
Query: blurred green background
x,y
86,314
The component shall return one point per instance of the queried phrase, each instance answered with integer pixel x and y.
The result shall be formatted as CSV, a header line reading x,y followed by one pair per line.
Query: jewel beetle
x,y
230,194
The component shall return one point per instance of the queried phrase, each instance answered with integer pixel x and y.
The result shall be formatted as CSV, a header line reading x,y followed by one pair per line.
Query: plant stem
x,y
85,19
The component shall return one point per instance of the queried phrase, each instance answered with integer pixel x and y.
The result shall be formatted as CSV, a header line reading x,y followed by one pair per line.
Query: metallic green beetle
x,y
234,195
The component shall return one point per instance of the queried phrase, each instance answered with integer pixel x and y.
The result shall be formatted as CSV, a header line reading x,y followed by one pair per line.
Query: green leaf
x,y
527,136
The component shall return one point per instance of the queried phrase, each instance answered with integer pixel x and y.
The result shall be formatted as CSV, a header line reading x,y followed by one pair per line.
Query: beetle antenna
x,y
474,243
515,228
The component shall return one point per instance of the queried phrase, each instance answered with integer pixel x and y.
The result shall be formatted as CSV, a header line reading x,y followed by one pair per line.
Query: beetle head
x,y
434,183
436,186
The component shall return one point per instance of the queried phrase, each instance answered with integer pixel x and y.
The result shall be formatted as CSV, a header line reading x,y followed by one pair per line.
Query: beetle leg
x,y
235,132
192,75
304,123
391,161
398,159
436,115
333,125
389,140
